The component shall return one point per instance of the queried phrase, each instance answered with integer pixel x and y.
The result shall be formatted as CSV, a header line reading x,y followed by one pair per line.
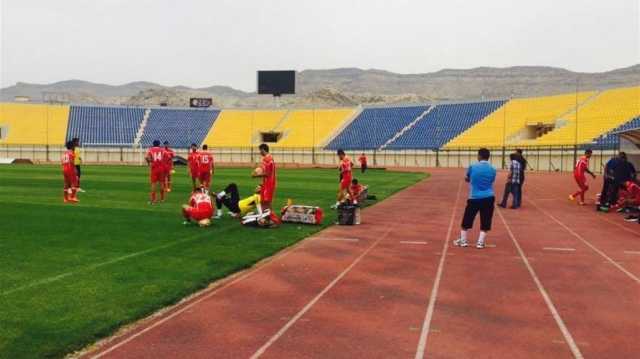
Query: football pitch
x,y
72,274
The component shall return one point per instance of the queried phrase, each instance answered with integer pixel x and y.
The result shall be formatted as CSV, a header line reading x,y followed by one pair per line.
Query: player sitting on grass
x,y
70,175
230,198
199,208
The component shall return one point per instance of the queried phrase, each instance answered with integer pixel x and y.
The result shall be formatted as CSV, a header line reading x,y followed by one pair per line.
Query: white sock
x,y
337,203
221,194
463,235
219,213
482,236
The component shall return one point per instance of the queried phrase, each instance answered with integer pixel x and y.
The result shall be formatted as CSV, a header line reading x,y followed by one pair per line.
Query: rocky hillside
x,y
348,87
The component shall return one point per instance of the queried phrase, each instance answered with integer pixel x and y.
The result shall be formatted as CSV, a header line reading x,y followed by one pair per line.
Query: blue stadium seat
x,y
104,126
181,127
442,124
374,127
609,141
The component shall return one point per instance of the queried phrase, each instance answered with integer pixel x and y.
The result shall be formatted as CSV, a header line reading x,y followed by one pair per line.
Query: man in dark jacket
x,y
623,171
523,167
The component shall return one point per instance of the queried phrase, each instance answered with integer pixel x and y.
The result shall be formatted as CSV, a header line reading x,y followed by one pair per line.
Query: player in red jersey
x,y
363,162
156,159
269,181
168,165
70,174
193,164
345,177
199,209
582,167
205,167
355,190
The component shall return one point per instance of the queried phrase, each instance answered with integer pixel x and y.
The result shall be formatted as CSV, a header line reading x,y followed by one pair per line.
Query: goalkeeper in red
x,y
582,167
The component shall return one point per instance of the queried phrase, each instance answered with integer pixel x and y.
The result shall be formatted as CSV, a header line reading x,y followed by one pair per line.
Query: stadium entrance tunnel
x,y
270,137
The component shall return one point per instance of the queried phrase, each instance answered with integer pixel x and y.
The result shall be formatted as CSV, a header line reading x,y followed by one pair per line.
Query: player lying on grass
x,y
168,165
582,167
346,176
199,208
193,164
69,174
230,198
156,158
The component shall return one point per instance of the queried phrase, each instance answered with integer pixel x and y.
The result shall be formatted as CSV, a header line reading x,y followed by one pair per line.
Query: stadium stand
x,y
609,140
33,124
308,128
181,127
241,128
603,113
375,126
443,123
104,126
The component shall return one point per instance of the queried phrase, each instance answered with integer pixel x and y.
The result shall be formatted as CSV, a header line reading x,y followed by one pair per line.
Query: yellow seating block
x,y
33,124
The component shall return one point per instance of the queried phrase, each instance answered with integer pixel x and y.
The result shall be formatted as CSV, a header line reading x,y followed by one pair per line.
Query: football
x,y
258,171
204,223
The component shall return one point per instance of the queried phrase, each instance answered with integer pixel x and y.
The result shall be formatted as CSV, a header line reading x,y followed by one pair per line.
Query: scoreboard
x,y
200,102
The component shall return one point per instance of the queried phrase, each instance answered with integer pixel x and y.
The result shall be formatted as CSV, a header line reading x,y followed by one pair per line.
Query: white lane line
x,y
211,292
97,265
413,242
631,252
426,325
617,265
337,239
552,308
313,301
559,249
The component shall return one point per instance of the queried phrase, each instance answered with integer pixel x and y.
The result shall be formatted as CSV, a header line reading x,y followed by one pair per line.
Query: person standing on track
x,y
582,167
77,160
69,174
193,164
481,176
363,162
156,159
523,167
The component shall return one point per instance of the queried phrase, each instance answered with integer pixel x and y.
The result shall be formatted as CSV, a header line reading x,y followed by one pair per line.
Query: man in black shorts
x,y
481,175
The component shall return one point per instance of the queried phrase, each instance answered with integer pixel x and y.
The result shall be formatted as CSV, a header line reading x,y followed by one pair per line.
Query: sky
x,y
224,42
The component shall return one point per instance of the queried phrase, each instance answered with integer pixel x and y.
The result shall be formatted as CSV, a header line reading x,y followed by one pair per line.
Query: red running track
x,y
557,281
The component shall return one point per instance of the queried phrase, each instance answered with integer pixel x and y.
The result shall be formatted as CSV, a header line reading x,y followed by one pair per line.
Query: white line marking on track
x,y
559,249
621,268
552,308
313,301
412,242
97,265
337,239
426,325
631,252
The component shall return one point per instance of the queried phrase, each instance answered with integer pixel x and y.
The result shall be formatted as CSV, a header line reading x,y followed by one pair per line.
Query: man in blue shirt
x,y
481,175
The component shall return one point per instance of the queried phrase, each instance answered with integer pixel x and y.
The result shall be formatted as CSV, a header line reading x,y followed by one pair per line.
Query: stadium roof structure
x,y
630,134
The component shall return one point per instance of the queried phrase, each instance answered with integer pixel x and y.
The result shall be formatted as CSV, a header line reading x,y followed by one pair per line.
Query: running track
x,y
558,281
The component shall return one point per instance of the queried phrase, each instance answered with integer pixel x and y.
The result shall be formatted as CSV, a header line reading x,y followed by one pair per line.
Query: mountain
x,y
349,87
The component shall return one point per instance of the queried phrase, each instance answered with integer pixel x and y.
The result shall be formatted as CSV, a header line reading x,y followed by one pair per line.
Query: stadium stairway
x,y
143,125
104,125
406,128
336,131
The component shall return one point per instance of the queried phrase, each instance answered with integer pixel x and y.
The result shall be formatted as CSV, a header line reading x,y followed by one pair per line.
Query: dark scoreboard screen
x,y
200,102
276,82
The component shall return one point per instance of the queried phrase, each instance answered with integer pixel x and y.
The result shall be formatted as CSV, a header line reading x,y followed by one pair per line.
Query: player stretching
x,y
199,208
70,175
168,165
582,167
205,167
156,159
268,187
193,164
345,177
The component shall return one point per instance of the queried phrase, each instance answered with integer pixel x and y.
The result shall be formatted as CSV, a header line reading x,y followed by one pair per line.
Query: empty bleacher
x,y
375,126
443,123
181,127
610,139
308,128
501,126
33,124
241,128
104,126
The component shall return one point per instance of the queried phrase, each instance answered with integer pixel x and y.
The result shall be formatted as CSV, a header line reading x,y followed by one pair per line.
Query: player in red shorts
x,y
156,159
199,209
582,167
70,174
345,177
168,165
363,162
355,190
205,167
269,182
192,160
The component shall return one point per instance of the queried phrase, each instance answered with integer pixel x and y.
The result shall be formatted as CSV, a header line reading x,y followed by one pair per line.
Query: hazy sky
x,y
202,43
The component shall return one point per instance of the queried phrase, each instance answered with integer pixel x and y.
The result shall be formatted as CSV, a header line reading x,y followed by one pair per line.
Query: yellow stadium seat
x,y
241,128
309,128
33,124
516,114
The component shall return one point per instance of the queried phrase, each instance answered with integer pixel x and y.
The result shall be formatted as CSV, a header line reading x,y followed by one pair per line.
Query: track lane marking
x,y
313,301
594,248
413,242
426,325
552,308
558,249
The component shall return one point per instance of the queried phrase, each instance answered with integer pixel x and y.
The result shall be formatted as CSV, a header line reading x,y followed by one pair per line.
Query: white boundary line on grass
x,y
97,265
552,308
594,248
313,301
426,325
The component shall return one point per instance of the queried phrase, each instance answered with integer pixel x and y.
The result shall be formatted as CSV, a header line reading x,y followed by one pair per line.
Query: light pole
x,y
575,136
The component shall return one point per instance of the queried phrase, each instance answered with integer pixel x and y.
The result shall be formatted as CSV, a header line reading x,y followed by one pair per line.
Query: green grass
x,y
70,275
